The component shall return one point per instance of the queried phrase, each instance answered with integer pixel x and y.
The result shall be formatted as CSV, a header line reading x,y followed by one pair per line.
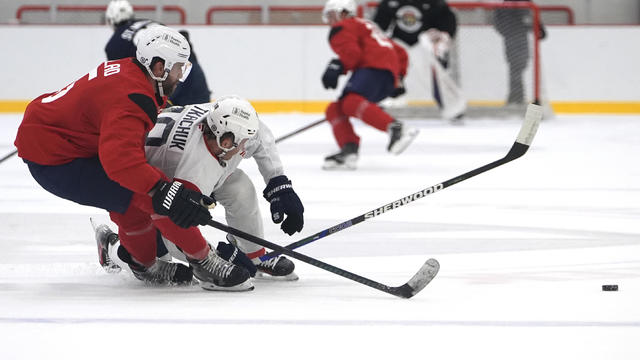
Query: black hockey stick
x,y
523,141
423,277
283,137
8,155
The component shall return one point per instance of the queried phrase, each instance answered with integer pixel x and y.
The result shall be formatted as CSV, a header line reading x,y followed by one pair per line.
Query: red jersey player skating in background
x,y
376,64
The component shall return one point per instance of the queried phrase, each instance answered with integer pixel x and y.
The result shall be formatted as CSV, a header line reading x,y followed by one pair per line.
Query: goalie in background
x,y
427,29
122,44
376,64
201,146
514,26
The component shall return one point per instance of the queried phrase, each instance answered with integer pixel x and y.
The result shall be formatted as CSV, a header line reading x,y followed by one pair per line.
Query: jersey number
x,y
378,35
109,69
156,139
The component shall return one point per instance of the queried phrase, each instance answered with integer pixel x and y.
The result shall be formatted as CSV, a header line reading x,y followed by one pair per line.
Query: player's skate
x,y
160,273
215,273
344,160
277,268
105,238
400,136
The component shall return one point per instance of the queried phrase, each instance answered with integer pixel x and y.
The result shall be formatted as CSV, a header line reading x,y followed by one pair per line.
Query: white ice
x,y
524,250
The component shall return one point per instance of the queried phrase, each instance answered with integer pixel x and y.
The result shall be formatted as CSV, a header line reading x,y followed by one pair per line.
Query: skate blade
x,y
266,277
112,268
402,144
334,166
245,286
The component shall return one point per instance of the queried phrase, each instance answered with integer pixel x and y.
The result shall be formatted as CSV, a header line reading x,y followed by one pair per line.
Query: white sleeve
x,y
263,149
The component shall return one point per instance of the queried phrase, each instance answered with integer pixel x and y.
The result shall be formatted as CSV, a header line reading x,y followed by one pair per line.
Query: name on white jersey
x,y
179,138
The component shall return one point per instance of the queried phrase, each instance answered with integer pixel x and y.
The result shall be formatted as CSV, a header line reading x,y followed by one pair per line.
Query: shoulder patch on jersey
x,y
146,104
334,30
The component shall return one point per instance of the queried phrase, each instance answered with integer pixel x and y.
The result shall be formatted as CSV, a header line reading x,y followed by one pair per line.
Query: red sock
x,y
189,240
357,106
341,126
137,234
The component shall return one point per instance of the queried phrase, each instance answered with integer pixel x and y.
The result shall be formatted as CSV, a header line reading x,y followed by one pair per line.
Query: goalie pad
x,y
446,92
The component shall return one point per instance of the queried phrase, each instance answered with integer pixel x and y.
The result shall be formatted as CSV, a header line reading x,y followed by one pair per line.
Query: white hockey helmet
x,y
338,6
166,44
118,11
232,117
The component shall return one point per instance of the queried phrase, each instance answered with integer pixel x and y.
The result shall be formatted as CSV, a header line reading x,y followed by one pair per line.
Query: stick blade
x,y
532,119
419,281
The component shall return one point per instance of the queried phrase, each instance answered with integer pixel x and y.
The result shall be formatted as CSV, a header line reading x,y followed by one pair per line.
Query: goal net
x,y
495,60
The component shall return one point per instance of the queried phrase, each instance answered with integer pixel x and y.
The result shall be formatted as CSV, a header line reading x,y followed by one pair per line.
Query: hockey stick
x,y
528,130
423,277
8,155
283,137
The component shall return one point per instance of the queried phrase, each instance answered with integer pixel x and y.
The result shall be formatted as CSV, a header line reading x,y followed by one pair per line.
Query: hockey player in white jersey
x,y
201,146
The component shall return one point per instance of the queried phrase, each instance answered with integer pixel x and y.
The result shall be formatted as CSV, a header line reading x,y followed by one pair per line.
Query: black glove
x,y
185,207
284,200
399,90
236,256
331,74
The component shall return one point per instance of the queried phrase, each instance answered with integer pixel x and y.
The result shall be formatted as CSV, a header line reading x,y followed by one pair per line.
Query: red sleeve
x,y
188,184
403,59
343,39
121,148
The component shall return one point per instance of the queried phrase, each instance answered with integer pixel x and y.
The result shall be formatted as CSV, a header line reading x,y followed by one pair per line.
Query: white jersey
x,y
177,147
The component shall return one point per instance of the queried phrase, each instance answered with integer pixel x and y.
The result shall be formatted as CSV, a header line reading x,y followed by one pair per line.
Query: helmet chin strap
x,y
159,89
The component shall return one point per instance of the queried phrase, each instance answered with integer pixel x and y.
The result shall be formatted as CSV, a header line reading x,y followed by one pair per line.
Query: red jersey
x,y
361,44
107,112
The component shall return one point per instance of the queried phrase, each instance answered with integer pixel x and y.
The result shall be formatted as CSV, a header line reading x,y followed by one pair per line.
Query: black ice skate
x,y
160,273
277,268
400,136
344,160
215,273
105,238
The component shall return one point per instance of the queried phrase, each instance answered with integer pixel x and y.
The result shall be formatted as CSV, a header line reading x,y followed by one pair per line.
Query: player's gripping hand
x,y
284,201
331,74
399,89
185,207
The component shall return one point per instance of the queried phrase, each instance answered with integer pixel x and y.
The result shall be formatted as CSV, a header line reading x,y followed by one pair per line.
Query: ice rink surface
x,y
524,250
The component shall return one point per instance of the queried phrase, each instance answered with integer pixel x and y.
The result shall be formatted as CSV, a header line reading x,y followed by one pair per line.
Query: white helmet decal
x,y
232,115
118,11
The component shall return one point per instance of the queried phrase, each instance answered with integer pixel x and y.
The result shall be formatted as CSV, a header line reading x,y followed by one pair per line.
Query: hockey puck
x,y
609,287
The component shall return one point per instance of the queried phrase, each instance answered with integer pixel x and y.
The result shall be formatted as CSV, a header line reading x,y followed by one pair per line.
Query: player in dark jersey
x,y
85,143
376,63
126,29
423,25
407,19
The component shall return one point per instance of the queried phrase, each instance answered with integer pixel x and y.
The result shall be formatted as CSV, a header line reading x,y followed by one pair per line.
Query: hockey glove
x,y
399,90
185,207
284,201
236,256
331,74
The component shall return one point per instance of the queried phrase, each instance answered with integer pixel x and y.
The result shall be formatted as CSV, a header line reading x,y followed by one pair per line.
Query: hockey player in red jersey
x,y
376,64
202,146
85,143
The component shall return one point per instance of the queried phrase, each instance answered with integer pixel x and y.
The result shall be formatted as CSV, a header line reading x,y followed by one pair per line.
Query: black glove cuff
x,y
336,64
277,186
